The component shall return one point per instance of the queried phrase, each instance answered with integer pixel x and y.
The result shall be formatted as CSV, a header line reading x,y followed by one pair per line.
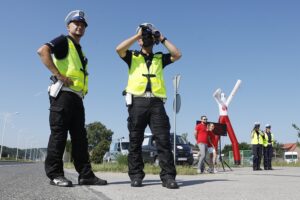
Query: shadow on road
x,y
158,182
145,182
197,182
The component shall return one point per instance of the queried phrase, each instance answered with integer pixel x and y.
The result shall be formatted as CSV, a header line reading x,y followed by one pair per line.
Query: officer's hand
x,y
161,37
67,81
262,133
140,33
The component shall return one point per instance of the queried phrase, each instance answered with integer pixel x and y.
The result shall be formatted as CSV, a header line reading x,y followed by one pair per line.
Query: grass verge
x,y
149,169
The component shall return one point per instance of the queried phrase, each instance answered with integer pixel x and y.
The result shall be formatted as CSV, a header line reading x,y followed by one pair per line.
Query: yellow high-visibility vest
x,y
266,140
138,72
256,139
71,67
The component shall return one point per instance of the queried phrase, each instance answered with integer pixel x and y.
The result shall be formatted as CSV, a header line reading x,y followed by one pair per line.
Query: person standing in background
x,y
201,136
268,144
257,144
212,151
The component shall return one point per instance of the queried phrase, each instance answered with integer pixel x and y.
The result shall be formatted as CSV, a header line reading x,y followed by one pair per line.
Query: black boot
x,y
91,181
61,181
136,183
170,184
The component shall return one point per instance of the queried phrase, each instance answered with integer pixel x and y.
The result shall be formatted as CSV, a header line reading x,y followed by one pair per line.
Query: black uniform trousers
x,y
257,154
67,114
268,153
143,112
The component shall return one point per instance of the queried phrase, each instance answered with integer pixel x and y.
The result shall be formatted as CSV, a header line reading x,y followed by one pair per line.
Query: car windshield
x,y
179,140
290,156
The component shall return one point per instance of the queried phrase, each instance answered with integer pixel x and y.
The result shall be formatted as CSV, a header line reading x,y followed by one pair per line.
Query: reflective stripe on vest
x,y
137,79
70,67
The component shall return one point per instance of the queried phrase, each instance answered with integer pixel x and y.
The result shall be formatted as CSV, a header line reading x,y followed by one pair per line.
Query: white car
x,y
291,157
118,148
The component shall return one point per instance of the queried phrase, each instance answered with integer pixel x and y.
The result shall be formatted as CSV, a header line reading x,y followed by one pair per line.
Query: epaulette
x,y
136,53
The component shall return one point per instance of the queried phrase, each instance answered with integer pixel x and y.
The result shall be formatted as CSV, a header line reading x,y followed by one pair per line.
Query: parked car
x,y
291,157
117,148
184,154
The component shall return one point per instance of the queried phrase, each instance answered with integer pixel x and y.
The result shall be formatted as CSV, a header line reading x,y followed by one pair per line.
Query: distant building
x,y
291,152
291,147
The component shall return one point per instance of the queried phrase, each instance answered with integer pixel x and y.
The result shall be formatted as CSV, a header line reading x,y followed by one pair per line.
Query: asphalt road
x,y
28,181
239,184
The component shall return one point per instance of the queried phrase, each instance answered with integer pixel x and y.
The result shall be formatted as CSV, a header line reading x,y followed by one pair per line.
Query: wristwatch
x,y
163,40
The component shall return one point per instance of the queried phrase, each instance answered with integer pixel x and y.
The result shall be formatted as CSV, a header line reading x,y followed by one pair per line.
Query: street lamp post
x,y
17,148
30,158
26,147
25,152
6,115
17,155
37,154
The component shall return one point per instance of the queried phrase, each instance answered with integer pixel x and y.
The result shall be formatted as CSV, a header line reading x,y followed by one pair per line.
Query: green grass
x,y
110,167
149,169
14,160
284,164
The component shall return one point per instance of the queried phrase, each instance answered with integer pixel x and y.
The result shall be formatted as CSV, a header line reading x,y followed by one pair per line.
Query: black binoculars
x,y
146,31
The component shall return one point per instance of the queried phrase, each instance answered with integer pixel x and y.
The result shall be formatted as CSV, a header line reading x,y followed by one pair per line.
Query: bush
x,y
122,159
97,154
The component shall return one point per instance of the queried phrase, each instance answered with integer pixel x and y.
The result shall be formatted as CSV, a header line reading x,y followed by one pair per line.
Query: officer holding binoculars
x,y
145,97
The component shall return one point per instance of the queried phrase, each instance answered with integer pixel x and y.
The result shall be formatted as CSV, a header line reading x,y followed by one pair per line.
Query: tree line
x,y
100,138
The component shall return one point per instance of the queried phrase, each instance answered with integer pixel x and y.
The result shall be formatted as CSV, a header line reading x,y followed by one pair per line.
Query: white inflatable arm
x,y
234,90
217,96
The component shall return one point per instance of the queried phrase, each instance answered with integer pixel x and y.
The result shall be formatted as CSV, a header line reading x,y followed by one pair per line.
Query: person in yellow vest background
x,y
257,145
268,147
66,61
145,97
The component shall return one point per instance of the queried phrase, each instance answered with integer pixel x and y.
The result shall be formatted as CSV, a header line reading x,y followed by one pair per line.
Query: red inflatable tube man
x,y
223,104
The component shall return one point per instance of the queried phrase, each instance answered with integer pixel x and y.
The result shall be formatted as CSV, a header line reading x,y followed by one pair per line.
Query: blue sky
x,y
221,41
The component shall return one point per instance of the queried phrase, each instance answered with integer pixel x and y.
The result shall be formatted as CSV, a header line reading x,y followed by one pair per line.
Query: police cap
x,y
76,15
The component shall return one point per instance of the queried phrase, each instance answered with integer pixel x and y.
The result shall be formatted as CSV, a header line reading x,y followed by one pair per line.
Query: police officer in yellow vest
x,y
268,147
67,63
257,145
145,94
